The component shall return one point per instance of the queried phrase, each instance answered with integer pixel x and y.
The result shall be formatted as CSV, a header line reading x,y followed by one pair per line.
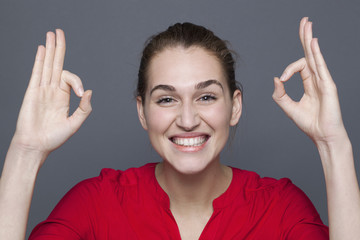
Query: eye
x,y
165,100
207,98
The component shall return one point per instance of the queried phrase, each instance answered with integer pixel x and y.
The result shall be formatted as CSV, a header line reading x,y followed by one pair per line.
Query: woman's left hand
x,y
318,115
318,112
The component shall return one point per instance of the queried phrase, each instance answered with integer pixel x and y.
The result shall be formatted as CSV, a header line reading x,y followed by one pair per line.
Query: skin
x,y
44,125
185,111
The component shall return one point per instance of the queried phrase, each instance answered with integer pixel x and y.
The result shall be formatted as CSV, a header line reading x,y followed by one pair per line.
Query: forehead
x,y
179,66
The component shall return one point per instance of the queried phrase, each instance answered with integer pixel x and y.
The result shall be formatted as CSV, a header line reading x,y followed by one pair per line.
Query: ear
x,y
141,113
237,108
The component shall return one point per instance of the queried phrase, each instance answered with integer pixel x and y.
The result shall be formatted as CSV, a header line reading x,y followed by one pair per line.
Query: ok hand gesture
x,y
44,122
318,112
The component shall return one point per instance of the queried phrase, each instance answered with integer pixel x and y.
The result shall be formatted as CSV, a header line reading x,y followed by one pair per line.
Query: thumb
x,y
82,112
282,99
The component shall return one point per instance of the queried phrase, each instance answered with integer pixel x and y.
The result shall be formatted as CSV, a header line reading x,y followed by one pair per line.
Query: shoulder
x,y
269,189
252,181
111,178
287,204
284,198
109,187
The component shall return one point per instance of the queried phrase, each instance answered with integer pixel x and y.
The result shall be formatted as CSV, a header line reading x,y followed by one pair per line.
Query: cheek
x,y
217,116
159,120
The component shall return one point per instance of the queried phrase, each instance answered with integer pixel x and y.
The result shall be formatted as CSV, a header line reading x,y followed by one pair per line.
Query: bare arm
x,y
43,125
318,115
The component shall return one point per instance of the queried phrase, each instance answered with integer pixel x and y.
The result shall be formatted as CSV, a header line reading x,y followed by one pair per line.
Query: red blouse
x,y
131,205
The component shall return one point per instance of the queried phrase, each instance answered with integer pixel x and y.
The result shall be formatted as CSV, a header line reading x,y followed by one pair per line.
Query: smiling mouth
x,y
190,142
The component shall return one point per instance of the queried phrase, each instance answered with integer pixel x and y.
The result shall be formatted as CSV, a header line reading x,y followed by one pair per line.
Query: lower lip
x,y
190,149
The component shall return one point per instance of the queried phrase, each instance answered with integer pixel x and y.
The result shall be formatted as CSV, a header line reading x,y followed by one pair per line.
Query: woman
x,y
187,100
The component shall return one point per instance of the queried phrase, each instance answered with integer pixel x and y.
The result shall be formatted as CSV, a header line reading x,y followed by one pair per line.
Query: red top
x,y
131,205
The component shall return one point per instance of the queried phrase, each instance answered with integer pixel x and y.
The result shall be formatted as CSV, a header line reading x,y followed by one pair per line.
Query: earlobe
x,y
141,114
236,108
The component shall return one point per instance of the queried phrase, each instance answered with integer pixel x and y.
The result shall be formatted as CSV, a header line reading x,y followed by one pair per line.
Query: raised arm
x,y
318,115
43,125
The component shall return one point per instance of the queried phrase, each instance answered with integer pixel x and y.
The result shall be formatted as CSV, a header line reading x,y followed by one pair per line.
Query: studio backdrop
x,y
104,44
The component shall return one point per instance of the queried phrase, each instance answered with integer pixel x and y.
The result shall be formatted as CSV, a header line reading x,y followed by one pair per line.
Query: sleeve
x,y
72,217
300,220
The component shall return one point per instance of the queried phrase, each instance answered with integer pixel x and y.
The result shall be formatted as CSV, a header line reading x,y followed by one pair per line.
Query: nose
x,y
188,118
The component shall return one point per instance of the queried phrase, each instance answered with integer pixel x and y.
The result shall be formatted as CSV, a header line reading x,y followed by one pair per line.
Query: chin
x,y
188,165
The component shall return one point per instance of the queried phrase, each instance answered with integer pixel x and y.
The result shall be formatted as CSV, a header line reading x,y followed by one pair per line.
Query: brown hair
x,y
187,35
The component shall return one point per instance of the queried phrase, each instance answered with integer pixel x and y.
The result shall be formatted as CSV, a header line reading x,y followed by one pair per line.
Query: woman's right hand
x,y
44,123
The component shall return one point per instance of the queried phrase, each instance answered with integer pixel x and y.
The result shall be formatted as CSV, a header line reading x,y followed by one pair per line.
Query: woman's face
x,y
188,108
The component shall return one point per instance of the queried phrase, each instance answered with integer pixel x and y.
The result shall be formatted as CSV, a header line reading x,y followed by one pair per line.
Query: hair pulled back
x,y
187,35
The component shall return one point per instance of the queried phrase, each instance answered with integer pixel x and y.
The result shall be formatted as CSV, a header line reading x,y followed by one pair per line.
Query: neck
x,y
195,191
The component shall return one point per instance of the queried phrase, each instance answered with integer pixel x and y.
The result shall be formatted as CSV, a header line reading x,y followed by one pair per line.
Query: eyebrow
x,y
163,87
205,84
200,85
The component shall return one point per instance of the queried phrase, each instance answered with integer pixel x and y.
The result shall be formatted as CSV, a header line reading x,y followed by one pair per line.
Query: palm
x,y
43,121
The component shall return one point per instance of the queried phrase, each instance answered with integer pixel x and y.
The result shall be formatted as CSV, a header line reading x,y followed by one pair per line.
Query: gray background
x,y
104,42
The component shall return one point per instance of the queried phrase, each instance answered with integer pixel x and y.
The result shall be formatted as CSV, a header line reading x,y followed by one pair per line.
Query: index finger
x,y
58,58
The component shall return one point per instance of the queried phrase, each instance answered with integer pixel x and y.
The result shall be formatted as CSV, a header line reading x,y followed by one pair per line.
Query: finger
x,y
299,66
70,80
292,68
282,99
303,21
37,68
306,73
58,58
49,58
82,112
322,69
308,36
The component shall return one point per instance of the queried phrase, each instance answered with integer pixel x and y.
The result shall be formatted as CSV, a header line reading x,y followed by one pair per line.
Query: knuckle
x,y
60,44
56,68
274,96
65,72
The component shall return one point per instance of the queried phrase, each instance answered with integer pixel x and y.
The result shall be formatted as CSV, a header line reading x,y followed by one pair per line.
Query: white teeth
x,y
189,142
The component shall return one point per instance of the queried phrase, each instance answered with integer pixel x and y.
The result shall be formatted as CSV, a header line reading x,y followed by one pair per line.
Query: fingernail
x,y
283,77
81,92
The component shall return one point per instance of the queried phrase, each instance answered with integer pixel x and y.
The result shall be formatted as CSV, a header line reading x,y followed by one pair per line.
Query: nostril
x,y
188,123
189,129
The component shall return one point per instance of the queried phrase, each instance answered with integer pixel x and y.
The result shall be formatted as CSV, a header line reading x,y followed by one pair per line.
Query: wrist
x,y
24,157
20,169
336,145
336,156
24,148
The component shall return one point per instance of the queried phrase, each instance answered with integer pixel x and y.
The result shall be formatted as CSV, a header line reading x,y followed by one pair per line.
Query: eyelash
x,y
209,98
165,100
168,100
